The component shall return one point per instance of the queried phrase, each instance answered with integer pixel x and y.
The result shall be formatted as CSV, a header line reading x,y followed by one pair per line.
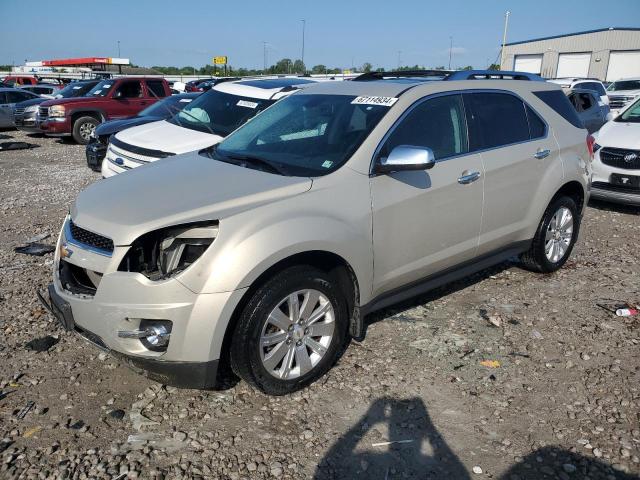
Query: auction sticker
x,y
245,103
368,100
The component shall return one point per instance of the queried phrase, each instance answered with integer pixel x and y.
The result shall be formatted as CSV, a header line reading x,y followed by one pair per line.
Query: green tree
x,y
299,67
494,66
468,67
367,67
319,69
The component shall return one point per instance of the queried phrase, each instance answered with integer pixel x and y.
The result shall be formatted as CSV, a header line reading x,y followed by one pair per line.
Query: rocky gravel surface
x,y
507,374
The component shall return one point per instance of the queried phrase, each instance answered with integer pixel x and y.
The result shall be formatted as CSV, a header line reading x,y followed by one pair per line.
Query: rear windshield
x,y
559,102
624,85
218,112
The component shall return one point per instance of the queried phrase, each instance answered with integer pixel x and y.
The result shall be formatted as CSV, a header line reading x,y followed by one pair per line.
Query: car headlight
x,y
165,252
32,108
56,111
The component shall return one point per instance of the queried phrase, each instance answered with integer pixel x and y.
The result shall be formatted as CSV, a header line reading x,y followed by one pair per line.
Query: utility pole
x,y
450,50
118,48
504,36
304,24
264,54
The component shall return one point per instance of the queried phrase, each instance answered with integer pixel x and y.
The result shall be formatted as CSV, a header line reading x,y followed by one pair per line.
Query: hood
x,y
72,100
114,126
31,102
619,135
167,137
176,190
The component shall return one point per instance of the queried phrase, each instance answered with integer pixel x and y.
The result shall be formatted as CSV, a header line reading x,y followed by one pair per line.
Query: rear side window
x,y
438,124
593,86
496,119
559,102
131,89
156,88
537,127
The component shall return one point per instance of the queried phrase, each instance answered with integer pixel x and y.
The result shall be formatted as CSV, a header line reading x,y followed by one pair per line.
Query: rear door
x,y
130,98
426,221
155,90
516,148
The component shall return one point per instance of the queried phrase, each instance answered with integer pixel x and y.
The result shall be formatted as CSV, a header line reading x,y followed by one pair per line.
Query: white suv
x,y
204,122
267,250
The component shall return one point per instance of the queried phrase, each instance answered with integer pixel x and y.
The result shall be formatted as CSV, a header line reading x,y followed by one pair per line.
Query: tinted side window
x,y
537,128
497,119
559,102
438,123
130,90
156,88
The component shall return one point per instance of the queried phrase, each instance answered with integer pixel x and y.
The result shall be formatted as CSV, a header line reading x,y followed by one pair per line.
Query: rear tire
x,y
291,331
555,237
82,129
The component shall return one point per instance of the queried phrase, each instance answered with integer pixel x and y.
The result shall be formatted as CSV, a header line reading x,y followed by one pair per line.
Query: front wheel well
x,y
326,261
573,190
76,115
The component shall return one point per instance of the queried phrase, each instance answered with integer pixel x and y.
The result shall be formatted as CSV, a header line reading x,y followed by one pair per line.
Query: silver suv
x,y
267,251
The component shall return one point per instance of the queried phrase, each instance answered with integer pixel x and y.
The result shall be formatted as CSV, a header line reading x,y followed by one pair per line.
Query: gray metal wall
x,y
598,43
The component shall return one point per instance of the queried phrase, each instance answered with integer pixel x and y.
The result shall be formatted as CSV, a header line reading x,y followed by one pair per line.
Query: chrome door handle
x,y
540,154
468,177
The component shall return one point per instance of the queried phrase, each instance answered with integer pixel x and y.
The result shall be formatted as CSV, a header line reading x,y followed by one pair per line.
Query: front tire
x,y
82,129
291,331
555,237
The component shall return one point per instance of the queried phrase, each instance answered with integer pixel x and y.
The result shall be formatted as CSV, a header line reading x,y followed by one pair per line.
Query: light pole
x,y
304,24
450,50
264,54
118,48
504,36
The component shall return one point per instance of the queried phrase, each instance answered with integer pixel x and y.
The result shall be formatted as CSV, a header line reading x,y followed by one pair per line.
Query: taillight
x,y
590,142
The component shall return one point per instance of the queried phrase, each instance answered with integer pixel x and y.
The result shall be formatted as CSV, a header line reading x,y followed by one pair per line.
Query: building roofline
x,y
571,34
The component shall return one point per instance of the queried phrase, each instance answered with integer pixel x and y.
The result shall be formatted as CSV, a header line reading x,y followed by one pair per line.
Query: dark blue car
x,y
161,110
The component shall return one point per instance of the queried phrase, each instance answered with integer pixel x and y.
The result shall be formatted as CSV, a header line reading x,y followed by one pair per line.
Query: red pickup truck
x,y
110,99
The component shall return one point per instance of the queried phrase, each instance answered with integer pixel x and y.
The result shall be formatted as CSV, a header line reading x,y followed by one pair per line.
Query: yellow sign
x,y
220,60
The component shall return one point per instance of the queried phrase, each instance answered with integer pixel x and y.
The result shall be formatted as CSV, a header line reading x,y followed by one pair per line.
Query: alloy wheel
x,y
559,234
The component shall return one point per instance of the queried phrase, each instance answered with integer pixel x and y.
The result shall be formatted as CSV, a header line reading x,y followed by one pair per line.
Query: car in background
x,y
616,164
192,86
110,99
591,110
25,113
592,84
8,99
202,123
162,110
45,90
20,80
622,93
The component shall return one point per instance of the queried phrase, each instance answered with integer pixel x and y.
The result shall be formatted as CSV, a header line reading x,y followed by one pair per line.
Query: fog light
x,y
153,334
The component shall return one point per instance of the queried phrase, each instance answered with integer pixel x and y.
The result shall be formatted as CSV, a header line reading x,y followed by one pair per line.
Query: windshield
x,y
624,85
218,112
165,108
101,89
75,89
306,135
631,114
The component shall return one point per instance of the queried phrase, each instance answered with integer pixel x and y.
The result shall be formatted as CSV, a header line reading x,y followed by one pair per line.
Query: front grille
x,y
620,158
619,101
18,110
89,238
614,188
43,111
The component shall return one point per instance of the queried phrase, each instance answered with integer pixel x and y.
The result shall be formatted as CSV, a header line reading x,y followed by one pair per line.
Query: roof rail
x,y
493,75
365,77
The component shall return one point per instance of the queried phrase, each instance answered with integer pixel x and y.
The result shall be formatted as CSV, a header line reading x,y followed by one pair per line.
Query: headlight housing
x,y
32,108
56,111
163,253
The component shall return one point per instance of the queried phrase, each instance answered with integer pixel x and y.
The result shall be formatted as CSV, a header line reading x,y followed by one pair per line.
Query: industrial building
x,y
607,54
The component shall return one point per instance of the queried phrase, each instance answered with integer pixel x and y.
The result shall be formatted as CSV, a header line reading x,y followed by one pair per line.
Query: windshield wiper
x,y
248,159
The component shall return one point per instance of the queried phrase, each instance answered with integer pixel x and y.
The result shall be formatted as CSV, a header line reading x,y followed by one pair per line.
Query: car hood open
x,y
167,137
176,190
619,135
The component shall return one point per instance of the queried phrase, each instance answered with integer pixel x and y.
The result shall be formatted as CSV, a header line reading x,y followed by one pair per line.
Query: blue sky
x,y
338,33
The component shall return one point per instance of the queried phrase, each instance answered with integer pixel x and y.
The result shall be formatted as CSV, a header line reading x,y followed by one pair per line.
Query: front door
x,y
426,221
130,98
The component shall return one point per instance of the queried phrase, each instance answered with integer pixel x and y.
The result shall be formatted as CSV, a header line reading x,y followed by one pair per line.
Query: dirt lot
x,y
563,402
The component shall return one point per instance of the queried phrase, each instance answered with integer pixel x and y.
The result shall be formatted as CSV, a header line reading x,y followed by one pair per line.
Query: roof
x,y
263,88
571,34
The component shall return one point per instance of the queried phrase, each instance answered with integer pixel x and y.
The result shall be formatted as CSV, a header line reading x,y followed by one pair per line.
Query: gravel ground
x,y
562,401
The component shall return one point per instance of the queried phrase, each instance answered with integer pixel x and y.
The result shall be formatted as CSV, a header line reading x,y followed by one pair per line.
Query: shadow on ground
x,y
614,207
418,451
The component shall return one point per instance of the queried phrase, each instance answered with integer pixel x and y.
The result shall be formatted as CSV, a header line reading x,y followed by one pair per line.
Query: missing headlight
x,y
162,253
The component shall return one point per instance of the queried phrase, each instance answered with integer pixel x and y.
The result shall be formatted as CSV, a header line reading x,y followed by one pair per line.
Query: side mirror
x,y
406,157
